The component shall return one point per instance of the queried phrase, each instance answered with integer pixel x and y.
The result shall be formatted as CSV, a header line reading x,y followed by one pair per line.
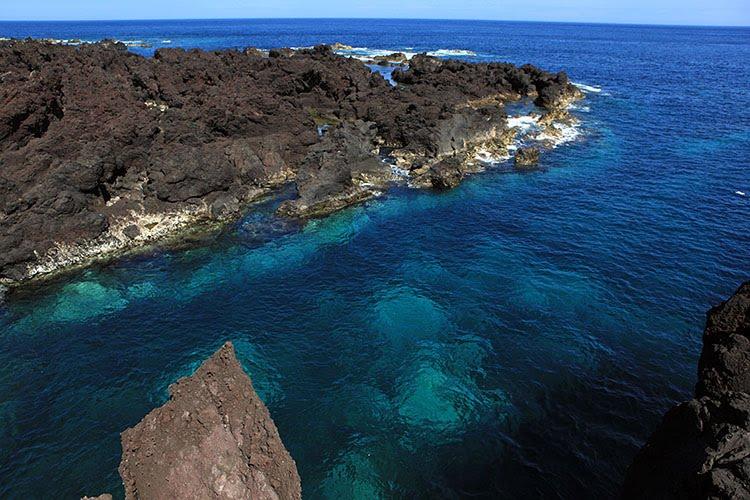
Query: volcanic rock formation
x,y
701,449
526,157
214,439
103,150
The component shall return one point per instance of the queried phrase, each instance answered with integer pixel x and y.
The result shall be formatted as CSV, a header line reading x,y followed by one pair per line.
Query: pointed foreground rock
x,y
213,439
701,449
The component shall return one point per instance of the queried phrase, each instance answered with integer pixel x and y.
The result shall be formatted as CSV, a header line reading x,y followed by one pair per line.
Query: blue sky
x,y
703,12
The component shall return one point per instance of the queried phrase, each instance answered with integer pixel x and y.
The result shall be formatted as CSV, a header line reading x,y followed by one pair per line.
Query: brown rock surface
x,y
102,150
214,439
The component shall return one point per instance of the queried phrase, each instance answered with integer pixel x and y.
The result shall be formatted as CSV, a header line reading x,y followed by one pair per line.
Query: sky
x,y
691,12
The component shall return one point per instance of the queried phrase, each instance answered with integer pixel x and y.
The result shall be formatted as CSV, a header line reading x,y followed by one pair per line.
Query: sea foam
x,y
452,53
560,133
366,53
530,133
587,88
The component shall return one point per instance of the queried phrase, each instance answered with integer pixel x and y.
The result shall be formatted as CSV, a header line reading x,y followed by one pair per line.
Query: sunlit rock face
x,y
213,439
104,151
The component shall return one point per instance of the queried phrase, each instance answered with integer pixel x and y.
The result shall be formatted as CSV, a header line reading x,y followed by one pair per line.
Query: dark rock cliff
x,y
103,150
213,439
701,449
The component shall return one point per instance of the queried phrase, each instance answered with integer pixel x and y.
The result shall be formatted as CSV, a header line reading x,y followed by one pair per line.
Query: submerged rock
x,y
701,449
213,439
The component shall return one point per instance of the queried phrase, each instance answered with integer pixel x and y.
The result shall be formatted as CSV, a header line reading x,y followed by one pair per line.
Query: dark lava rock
x,y
526,157
395,58
446,174
701,449
93,136
214,439
283,52
338,171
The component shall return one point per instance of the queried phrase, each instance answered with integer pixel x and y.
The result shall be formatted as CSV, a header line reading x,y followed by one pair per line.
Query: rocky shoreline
x,y
103,151
701,449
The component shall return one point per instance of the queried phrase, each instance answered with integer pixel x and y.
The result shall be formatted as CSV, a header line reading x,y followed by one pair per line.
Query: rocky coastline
x,y
214,438
701,449
103,151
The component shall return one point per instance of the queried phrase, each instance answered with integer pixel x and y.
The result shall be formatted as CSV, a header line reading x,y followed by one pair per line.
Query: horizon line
x,y
600,23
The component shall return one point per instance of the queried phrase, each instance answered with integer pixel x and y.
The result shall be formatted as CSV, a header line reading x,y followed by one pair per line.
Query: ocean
x,y
517,337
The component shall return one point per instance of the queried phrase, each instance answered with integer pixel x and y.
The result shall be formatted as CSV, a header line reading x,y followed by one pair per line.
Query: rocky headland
x,y
701,449
103,150
214,439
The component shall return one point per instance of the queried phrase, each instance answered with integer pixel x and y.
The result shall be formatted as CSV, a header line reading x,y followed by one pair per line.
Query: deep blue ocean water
x,y
519,336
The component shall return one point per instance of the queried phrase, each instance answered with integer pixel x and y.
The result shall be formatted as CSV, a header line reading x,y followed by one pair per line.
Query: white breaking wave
x,y
72,41
563,133
366,53
451,53
740,193
530,133
587,88
134,43
399,172
525,122
486,157
166,41
579,107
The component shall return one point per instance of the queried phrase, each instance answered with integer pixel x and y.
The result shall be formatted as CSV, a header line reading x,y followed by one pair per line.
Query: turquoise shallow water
x,y
519,336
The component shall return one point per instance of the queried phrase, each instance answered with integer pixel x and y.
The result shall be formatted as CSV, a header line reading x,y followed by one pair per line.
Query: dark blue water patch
x,y
518,336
